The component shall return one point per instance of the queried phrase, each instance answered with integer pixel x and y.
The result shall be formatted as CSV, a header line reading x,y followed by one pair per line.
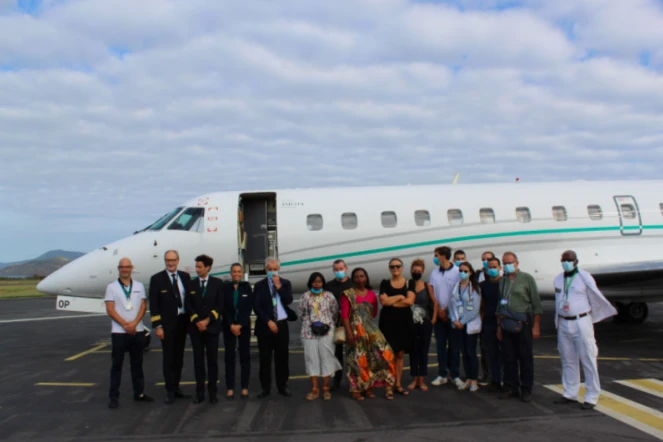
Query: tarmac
x,y
54,379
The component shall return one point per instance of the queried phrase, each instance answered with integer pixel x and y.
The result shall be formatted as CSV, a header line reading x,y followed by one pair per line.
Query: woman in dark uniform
x,y
396,317
238,302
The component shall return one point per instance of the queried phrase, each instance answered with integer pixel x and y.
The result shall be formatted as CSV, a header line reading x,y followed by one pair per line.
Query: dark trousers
x,y
173,353
483,360
230,344
275,345
442,338
205,344
338,352
470,359
455,347
134,344
492,351
419,355
517,350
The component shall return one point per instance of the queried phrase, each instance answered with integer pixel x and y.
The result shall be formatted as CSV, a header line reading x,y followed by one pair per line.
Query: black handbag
x,y
512,322
292,316
319,329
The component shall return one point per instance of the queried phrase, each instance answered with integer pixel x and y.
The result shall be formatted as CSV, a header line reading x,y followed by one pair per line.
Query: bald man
x,y
126,304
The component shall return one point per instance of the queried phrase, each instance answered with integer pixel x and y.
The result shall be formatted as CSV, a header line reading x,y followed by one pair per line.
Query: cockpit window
x,y
191,219
164,219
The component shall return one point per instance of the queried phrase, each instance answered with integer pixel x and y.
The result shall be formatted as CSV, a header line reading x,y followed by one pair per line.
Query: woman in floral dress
x,y
369,358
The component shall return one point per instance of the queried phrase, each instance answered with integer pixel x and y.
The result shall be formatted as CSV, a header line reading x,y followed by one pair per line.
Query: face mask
x,y
416,276
464,276
271,274
485,265
458,263
339,275
316,291
493,273
568,266
509,268
436,261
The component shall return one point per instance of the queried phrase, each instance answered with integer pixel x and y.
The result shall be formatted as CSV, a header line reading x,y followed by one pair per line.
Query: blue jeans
x,y
442,336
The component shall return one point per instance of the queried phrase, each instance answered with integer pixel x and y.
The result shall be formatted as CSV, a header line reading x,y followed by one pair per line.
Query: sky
x,y
113,112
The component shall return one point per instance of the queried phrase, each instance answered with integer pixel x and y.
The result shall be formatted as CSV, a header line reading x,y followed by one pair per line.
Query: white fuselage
x,y
476,218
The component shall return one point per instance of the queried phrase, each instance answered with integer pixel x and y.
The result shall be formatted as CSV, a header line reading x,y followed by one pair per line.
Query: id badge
x,y
128,306
470,308
504,302
460,311
565,307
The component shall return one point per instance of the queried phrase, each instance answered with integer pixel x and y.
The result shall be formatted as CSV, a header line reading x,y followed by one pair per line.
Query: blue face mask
x,y
485,265
271,274
316,291
464,276
458,263
509,268
436,261
339,275
493,273
568,266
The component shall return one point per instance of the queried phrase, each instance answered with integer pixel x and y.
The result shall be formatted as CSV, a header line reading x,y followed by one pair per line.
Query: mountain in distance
x,y
41,266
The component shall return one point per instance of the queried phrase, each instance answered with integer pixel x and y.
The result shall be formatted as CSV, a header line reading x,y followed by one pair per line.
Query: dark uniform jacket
x,y
210,305
263,303
163,298
244,304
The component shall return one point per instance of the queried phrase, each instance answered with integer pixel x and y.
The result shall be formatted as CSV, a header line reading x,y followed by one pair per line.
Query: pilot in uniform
x,y
579,304
205,306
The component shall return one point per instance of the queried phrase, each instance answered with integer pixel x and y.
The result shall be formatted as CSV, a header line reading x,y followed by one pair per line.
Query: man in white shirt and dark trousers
x,y
579,304
126,304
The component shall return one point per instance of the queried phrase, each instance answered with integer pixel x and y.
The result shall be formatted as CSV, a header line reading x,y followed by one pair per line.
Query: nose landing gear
x,y
632,313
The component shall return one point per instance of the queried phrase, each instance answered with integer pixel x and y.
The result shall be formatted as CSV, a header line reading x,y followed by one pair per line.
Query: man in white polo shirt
x,y
126,304
442,280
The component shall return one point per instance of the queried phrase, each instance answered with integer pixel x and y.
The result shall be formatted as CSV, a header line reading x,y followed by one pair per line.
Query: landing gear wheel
x,y
637,312
622,313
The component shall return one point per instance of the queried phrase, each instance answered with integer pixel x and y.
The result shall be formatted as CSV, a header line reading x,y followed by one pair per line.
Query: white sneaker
x,y
440,380
459,383
474,388
464,386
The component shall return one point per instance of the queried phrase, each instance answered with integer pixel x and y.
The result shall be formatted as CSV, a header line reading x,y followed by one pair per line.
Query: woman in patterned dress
x,y
318,310
369,357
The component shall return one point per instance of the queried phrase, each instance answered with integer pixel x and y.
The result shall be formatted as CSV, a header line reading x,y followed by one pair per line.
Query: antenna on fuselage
x,y
455,180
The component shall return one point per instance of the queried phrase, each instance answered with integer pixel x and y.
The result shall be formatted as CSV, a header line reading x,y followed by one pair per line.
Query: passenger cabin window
x,y
422,218
487,216
389,219
660,206
455,217
349,221
191,220
559,213
595,212
314,222
523,215
158,225
628,211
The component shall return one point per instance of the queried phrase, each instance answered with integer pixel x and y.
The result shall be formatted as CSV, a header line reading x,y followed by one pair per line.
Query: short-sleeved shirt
x,y
115,293
337,287
443,282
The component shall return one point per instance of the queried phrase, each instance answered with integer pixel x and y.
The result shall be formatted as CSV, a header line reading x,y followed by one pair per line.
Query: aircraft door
x,y
255,226
630,221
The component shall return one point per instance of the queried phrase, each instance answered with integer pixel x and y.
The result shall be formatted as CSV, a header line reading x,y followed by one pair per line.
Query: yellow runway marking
x,y
631,413
65,384
86,352
649,386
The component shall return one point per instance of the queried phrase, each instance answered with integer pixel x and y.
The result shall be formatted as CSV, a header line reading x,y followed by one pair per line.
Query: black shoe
x,y
198,399
180,394
564,400
495,387
511,394
263,394
230,397
285,392
587,406
244,396
169,400
113,404
213,399
143,398
525,396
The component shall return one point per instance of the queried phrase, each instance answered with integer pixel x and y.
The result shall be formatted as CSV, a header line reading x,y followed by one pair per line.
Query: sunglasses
x,y
393,267
123,267
463,271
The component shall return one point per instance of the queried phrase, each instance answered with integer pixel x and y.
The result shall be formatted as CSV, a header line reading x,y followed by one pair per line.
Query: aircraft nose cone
x,y
47,286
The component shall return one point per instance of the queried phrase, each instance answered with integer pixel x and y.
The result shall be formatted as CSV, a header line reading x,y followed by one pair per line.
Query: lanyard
x,y
507,295
567,285
316,300
460,294
127,293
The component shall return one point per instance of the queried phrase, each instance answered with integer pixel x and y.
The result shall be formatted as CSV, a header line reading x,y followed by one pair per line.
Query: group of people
x,y
496,308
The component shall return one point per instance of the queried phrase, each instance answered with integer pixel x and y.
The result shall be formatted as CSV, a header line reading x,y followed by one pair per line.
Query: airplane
x,y
616,228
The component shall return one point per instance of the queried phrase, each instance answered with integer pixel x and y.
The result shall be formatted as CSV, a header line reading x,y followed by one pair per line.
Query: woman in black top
x,y
238,302
396,317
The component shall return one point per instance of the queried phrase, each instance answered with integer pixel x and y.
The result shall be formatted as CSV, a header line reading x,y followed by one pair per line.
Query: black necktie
x,y
177,291
202,284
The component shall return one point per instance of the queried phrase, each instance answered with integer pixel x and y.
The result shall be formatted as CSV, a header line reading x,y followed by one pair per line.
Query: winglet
x,y
455,180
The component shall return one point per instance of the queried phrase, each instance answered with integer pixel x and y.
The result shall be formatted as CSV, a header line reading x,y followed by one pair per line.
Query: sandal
x,y
326,395
389,395
357,396
402,392
423,387
412,386
369,394
313,395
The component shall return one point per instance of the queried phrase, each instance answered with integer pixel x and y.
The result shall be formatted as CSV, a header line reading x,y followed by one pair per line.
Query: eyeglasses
x,y
172,260
507,263
393,267
123,267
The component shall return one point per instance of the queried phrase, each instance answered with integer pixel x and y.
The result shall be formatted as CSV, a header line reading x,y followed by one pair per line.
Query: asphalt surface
x,y
54,379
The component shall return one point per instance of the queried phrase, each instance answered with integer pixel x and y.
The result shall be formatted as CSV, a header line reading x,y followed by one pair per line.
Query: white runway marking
x,y
8,321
